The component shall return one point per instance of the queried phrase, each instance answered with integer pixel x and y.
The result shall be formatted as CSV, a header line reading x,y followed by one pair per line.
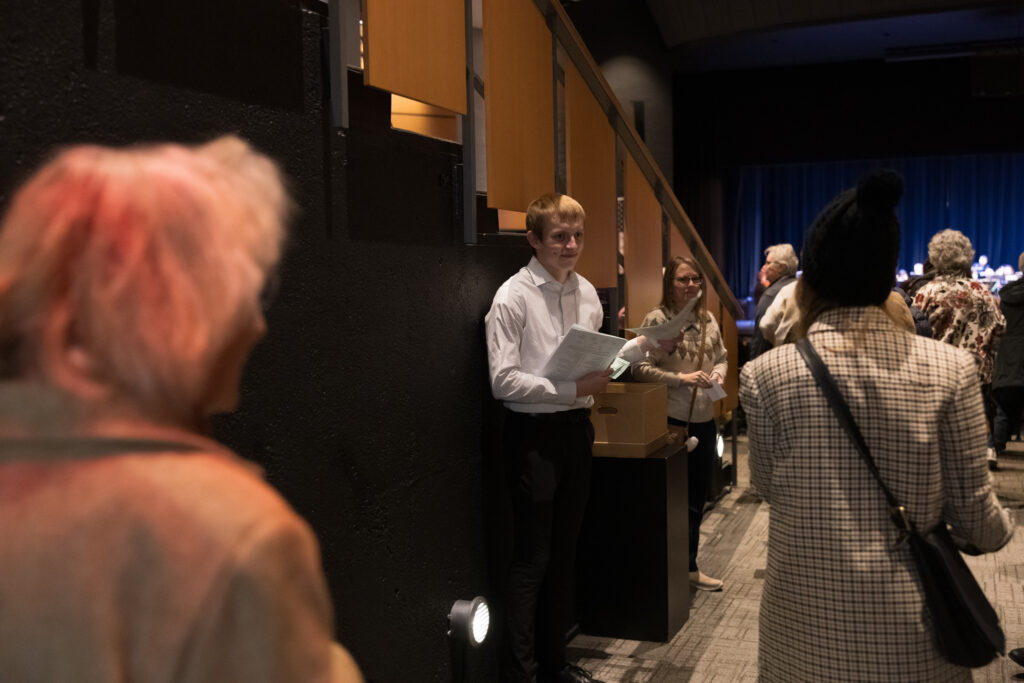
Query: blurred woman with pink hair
x,y
135,548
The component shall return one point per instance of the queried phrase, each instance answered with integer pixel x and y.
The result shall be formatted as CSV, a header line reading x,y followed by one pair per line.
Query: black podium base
x,y
633,579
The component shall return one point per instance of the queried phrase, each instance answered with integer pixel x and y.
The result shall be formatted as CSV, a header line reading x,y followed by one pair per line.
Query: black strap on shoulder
x,y
835,399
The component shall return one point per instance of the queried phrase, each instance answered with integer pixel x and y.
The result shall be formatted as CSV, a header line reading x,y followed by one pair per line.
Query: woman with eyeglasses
x,y
698,361
134,546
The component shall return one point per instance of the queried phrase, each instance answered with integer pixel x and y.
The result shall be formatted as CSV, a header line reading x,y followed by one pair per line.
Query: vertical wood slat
x,y
677,245
424,119
519,102
590,174
418,50
730,335
715,308
642,246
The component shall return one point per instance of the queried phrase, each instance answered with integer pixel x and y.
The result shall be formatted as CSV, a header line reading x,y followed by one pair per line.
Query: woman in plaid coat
x,y
842,599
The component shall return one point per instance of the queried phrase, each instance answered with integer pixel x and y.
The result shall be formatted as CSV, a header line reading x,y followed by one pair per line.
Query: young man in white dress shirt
x,y
548,436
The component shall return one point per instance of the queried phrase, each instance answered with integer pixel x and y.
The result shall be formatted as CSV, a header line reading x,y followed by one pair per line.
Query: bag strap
x,y
700,362
835,399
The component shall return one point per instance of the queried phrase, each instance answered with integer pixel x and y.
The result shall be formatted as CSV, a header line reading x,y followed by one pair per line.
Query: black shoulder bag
x,y
967,630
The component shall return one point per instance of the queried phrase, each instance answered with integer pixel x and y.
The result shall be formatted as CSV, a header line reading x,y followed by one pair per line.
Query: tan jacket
x,y
131,561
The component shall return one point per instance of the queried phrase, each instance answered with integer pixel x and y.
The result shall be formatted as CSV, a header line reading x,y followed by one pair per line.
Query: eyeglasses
x,y
685,279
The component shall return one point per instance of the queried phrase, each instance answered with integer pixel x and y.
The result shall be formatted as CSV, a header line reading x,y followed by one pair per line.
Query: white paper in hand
x,y
581,351
670,328
715,392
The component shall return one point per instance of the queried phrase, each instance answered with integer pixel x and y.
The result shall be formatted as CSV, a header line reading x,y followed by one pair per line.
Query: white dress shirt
x,y
530,314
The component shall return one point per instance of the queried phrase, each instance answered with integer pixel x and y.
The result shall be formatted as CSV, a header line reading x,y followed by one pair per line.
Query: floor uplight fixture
x,y
469,621
468,624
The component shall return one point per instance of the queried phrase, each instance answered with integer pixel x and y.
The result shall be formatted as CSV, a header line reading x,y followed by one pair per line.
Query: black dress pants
x,y
698,470
548,459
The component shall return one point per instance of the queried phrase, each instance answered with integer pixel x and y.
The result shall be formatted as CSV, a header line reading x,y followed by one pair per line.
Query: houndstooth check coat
x,y
841,596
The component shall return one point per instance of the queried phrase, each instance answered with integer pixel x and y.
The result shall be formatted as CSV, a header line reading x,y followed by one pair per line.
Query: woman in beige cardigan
x,y
698,360
134,548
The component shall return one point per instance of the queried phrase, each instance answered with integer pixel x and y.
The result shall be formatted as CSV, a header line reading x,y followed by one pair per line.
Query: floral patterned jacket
x,y
962,312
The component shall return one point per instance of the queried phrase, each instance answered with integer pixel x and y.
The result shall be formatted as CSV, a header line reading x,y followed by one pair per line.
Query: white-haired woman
x,y
778,271
134,548
962,311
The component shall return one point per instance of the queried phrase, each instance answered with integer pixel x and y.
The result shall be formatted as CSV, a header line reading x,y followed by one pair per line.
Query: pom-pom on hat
x,y
851,250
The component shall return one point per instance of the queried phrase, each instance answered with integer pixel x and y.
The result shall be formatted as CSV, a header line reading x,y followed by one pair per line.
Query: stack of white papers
x,y
581,351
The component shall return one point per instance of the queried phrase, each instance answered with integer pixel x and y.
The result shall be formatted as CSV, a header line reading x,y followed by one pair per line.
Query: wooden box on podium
x,y
630,420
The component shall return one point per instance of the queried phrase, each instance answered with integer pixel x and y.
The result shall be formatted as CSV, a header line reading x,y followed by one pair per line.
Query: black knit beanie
x,y
851,250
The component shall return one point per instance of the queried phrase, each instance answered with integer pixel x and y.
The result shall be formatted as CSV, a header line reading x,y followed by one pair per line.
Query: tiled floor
x,y
719,641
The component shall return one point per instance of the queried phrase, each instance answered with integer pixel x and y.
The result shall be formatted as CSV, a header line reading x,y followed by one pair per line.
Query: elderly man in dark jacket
x,y
780,264
1008,378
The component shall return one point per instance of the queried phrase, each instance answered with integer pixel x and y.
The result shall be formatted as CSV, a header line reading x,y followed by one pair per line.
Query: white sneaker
x,y
993,463
702,581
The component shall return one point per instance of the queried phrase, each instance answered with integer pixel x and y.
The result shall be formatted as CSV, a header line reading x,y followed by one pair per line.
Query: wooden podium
x,y
633,559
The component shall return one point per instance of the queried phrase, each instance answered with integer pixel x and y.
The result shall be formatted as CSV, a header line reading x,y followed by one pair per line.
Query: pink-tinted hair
x,y
145,261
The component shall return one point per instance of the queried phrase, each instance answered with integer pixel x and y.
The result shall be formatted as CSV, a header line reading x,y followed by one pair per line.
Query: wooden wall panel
x,y
425,119
677,246
511,220
713,303
418,50
590,178
642,246
519,102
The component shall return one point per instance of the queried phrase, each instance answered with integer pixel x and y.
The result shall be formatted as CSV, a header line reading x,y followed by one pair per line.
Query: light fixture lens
x,y
470,620
480,622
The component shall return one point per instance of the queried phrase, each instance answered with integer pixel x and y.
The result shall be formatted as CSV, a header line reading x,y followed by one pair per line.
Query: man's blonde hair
x,y
146,261
552,205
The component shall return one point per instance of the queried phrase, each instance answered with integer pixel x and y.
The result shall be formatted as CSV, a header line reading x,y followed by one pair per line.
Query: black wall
x,y
367,404
826,112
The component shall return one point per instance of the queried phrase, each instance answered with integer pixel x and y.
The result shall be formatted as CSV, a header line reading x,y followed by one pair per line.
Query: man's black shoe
x,y
574,674
1017,655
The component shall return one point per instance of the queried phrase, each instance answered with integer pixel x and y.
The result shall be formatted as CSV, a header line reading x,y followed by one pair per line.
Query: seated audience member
x,y
780,265
134,547
1008,380
842,600
961,311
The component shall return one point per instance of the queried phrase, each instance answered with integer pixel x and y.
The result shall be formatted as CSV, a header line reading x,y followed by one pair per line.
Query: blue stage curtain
x,y
980,195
